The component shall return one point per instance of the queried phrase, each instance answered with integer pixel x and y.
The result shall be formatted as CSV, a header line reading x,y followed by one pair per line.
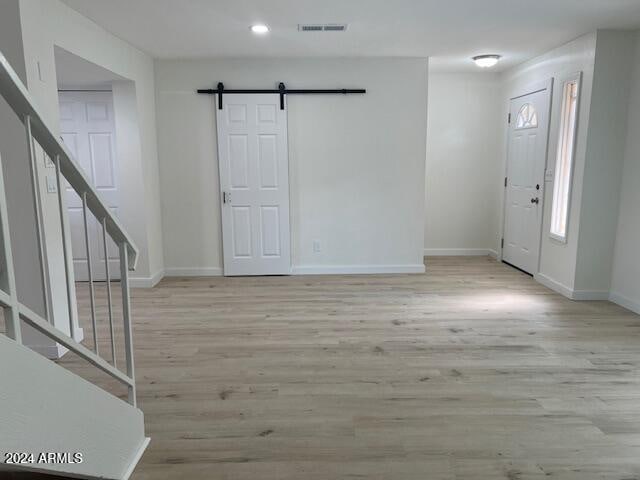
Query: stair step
x,y
46,408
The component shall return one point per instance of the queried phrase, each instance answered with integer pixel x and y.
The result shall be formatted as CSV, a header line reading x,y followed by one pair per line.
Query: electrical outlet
x,y
316,246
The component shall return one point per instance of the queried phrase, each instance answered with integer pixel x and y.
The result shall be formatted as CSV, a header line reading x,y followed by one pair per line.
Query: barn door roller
x,y
282,91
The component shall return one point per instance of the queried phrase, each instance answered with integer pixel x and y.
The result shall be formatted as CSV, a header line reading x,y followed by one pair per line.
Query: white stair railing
x,y
16,95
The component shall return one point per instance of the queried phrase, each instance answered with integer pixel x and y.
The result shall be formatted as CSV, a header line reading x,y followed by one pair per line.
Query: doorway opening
x,y
98,124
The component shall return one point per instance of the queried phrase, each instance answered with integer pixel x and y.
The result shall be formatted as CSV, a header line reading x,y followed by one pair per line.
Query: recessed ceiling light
x,y
259,29
486,61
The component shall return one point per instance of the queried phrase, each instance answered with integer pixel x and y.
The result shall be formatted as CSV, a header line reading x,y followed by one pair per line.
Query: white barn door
x,y
87,127
527,156
254,184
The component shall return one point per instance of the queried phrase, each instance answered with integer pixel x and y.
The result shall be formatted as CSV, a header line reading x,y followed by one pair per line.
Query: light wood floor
x,y
472,371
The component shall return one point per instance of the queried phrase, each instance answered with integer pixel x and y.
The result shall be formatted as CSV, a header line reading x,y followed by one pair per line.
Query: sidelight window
x,y
564,159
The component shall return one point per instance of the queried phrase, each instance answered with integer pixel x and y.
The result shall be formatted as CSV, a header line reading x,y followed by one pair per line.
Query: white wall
x,y
132,211
582,267
557,260
356,162
604,162
625,283
19,194
464,155
49,23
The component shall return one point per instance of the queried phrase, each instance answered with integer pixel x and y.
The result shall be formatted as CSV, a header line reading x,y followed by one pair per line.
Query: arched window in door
x,y
527,117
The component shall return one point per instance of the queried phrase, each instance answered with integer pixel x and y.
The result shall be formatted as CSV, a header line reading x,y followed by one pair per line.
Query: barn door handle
x,y
535,200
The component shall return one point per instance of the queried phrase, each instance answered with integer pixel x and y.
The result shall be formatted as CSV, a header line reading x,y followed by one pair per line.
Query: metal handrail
x,y
44,327
16,95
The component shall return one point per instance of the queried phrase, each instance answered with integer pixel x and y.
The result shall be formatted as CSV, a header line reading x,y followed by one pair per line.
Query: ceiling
x,y
451,31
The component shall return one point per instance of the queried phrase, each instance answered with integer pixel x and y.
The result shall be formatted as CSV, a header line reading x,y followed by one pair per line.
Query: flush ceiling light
x,y
486,61
259,29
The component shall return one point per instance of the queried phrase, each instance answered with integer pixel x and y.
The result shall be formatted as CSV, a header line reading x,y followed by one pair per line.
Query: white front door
x,y
87,128
254,184
526,160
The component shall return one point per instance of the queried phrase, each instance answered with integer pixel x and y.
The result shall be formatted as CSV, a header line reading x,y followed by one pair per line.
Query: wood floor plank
x,y
471,371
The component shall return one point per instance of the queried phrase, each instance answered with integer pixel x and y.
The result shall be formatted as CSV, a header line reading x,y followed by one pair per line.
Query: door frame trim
x,y
515,94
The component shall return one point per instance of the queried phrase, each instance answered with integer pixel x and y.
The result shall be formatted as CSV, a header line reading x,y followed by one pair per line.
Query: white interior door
x,y
527,154
87,127
254,184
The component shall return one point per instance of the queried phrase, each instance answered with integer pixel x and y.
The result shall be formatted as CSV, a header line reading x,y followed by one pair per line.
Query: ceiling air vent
x,y
316,27
334,28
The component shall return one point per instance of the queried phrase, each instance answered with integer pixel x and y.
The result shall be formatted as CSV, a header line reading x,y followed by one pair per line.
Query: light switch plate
x,y
548,175
51,184
48,163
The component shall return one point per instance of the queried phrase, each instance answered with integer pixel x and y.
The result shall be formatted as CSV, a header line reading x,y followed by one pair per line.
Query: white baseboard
x,y
589,295
355,269
459,252
193,272
150,282
581,295
304,270
625,302
553,285
146,282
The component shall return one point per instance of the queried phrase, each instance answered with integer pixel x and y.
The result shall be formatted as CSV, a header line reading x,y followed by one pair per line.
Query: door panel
x,y
238,162
87,128
270,230
241,230
102,160
78,247
527,154
254,182
266,114
236,114
268,161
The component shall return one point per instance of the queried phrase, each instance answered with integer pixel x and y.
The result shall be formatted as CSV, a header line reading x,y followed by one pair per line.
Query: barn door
x,y
254,184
